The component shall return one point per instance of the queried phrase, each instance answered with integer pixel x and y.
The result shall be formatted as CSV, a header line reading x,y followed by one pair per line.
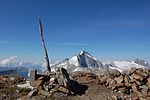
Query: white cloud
x,y
15,61
10,62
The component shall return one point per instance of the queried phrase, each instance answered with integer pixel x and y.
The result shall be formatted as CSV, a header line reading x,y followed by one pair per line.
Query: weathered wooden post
x,y
43,42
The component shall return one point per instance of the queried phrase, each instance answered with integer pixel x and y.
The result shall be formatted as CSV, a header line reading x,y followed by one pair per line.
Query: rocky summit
x,y
132,85
82,77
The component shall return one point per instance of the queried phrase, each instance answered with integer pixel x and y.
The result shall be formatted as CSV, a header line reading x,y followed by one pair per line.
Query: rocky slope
x,y
133,85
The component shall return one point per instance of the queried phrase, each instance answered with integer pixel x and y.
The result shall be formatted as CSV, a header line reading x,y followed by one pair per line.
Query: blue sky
x,y
116,29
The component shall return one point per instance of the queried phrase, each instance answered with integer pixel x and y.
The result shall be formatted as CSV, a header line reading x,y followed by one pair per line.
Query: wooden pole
x,y
43,43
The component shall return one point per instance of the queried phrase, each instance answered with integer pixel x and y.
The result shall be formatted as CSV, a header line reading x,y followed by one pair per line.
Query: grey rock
x,y
47,87
62,76
139,71
131,71
138,82
120,79
144,87
115,72
114,98
108,81
32,93
137,77
45,93
148,82
104,79
126,80
112,82
134,88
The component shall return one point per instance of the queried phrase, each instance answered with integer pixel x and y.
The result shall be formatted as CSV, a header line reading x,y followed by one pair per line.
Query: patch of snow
x,y
74,61
145,62
81,52
52,79
26,85
82,69
62,64
125,65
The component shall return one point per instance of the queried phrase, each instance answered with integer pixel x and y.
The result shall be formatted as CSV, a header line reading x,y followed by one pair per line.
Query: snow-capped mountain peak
x,y
87,54
124,65
81,61
84,59
141,62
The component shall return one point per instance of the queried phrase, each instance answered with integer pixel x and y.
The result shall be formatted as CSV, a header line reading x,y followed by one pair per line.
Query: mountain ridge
x,y
83,61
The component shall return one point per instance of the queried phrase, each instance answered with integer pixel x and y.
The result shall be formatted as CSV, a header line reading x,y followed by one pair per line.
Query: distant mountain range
x,y
13,65
86,62
21,71
80,62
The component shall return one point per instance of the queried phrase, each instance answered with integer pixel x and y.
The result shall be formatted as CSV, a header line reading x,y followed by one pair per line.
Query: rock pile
x,y
50,84
131,85
135,83
84,77
8,88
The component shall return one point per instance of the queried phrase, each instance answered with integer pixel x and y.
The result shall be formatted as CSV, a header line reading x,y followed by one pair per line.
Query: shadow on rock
x,y
76,88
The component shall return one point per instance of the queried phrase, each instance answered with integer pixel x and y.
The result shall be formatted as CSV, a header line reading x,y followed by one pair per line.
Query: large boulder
x,y
137,77
114,73
120,79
